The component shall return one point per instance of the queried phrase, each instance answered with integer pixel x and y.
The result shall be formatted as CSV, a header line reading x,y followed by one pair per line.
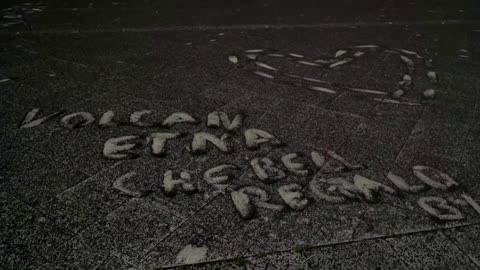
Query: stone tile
x,y
283,260
77,150
84,152
465,239
12,136
184,204
29,97
28,239
114,54
404,168
115,263
375,143
466,174
354,103
338,222
94,198
252,107
455,99
196,105
397,112
7,89
7,120
35,178
392,216
302,94
195,67
96,72
298,124
429,251
13,60
288,228
318,224
206,229
82,147
146,58
48,82
75,254
369,254
131,230
238,84
14,213
437,137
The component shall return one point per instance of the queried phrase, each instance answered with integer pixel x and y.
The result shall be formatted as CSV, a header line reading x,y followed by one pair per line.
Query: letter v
x,y
29,121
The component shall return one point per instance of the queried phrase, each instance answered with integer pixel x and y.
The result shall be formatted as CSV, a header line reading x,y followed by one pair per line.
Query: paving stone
x,y
15,213
325,223
464,238
457,97
185,205
286,229
240,84
386,137
94,198
452,196
114,263
131,230
7,88
114,54
34,178
90,135
395,112
355,103
430,251
466,175
392,217
27,236
12,61
252,107
74,254
20,138
450,138
284,260
206,229
299,124
370,254
50,83
78,218
63,147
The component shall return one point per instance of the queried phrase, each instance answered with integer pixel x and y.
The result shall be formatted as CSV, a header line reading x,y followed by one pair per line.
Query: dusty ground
x,y
350,138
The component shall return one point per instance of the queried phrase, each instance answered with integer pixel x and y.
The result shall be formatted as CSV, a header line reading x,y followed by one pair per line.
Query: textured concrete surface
x,y
290,146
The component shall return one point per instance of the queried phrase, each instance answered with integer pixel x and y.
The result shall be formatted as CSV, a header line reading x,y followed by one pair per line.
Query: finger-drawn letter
x,y
78,119
255,137
441,180
119,148
171,186
266,170
214,120
159,142
293,196
294,167
437,207
370,188
178,117
200,140
28,121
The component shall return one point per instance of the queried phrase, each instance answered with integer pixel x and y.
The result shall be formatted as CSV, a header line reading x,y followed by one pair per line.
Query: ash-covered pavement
x,y
257,135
